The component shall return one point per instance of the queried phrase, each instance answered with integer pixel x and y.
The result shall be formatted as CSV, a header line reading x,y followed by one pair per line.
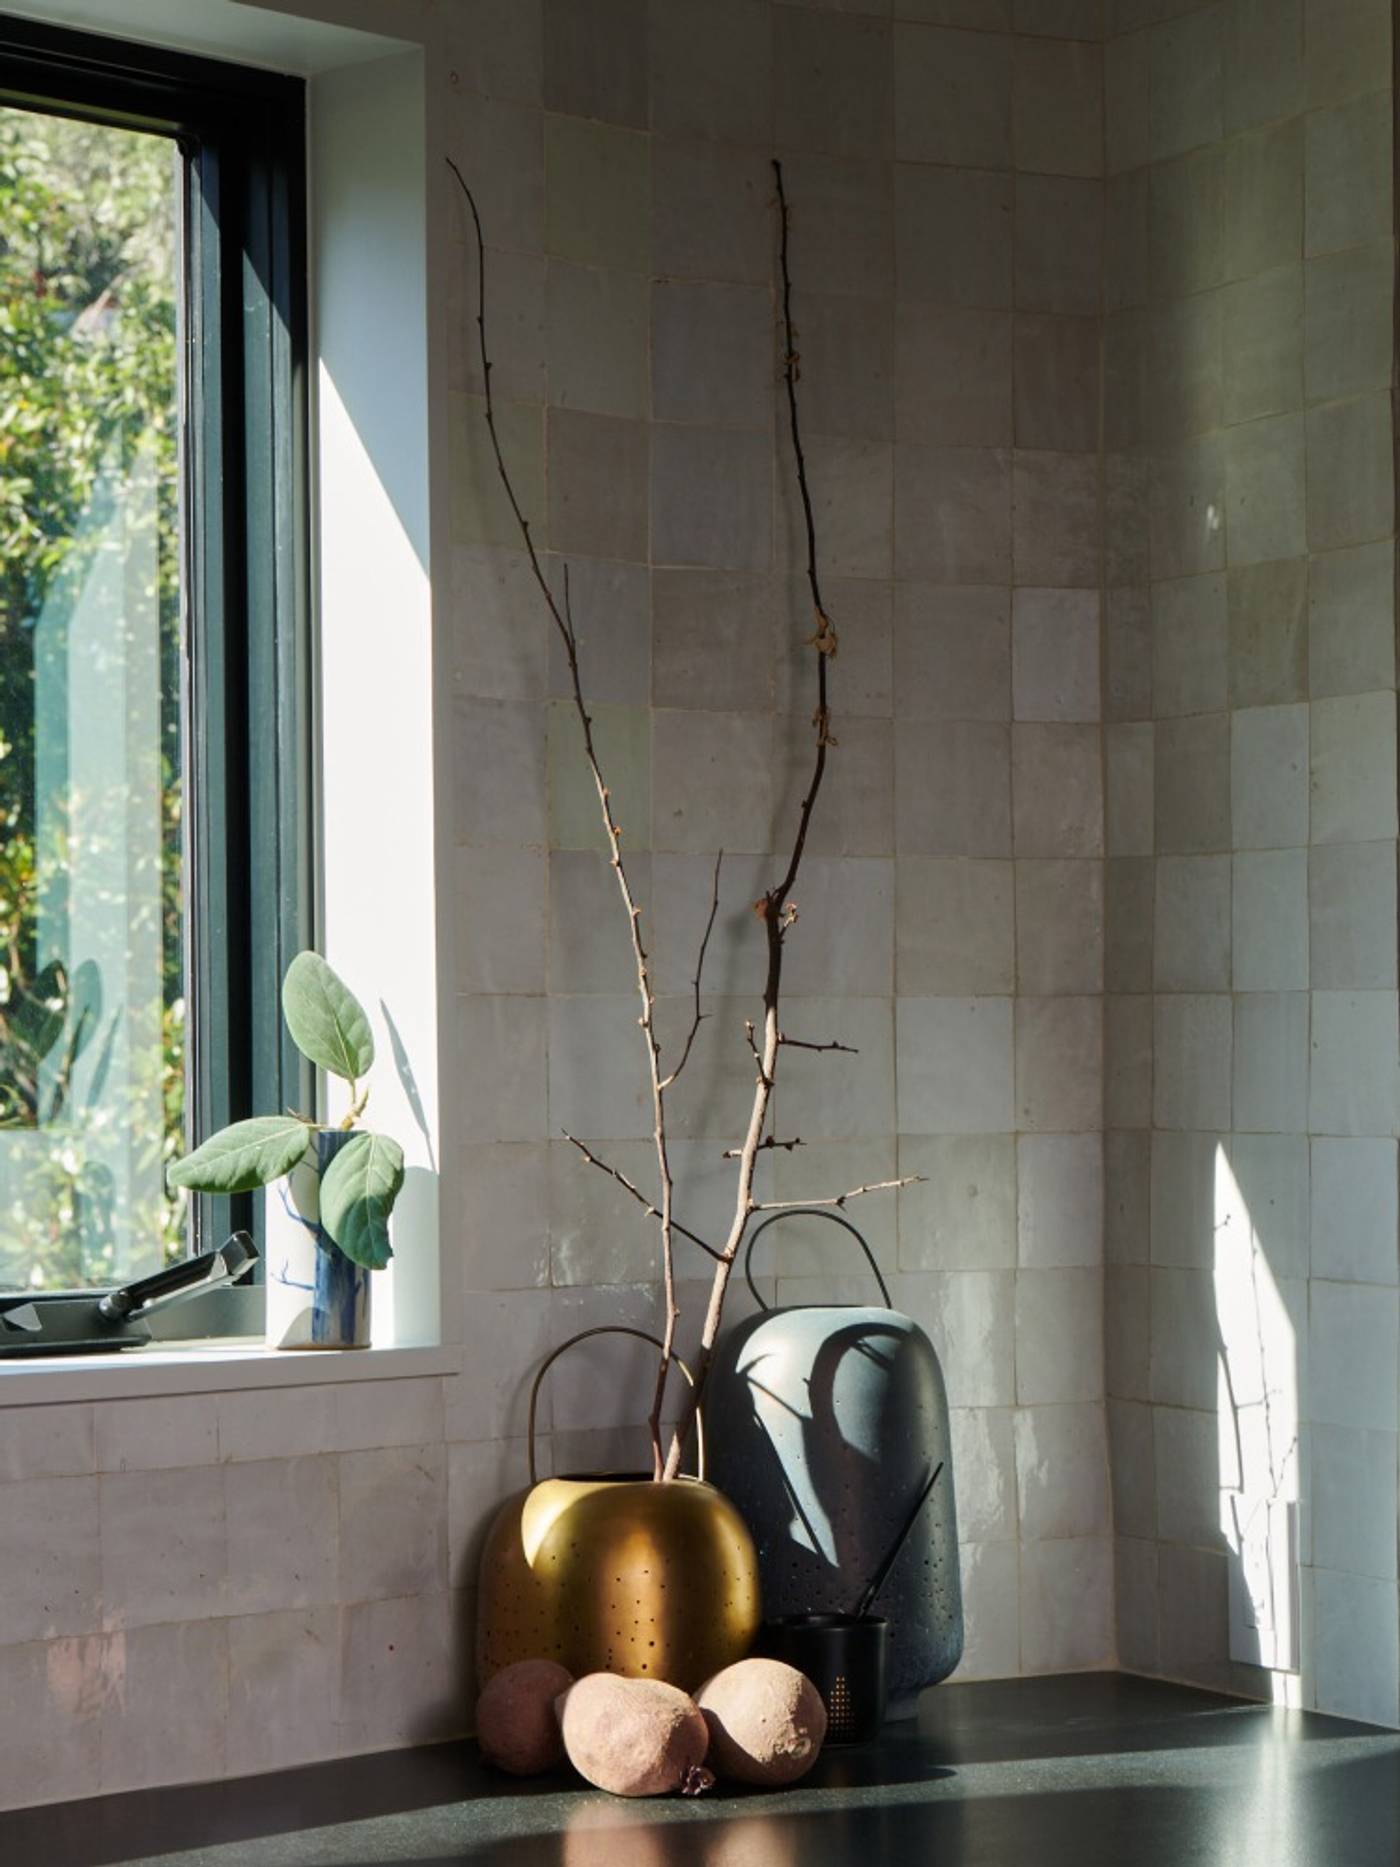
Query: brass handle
x,y
616,1328
810,1212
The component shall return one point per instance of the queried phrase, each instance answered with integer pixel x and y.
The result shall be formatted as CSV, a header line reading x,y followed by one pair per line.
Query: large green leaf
x,y
326,1020
358,1191
245,1155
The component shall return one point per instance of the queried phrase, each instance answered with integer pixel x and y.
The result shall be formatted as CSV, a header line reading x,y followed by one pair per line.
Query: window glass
x,y
92,947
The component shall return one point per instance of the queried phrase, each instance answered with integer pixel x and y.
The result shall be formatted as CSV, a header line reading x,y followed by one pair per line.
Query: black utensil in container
x,y
844,1657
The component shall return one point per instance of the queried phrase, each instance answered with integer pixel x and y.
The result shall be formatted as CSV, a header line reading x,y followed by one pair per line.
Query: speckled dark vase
x,y
825,1425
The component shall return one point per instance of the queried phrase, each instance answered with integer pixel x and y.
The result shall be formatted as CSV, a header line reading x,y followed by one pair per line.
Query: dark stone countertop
x,y
1059,1772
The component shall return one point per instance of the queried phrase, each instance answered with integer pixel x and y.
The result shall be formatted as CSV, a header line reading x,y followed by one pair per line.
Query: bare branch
x,y
798,1043
774,909
699,1017
564,622
768,1141
615,1173
856,1192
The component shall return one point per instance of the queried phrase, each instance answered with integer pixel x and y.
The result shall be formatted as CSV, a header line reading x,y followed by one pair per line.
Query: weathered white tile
x,y
271,1423
955,1065
963,1214
597,1068
711,781
831,1093
1192,1043
1351,621
1351,899
1185,1329
952,652
1353,768
1062,1471
1354,1085
1127,1172
504,1091
283,1533
1271,1173
51,1558
991,1610
504,1338
165,1708
1354,1500
1059,1336
51,1698
1354,1210
396,1675
1188,1479
599,1234
1352,1347
955,926
952,97
1192,1610
1066,1604
290,1660
1127,1331
1129,780
1184,1170
1191,943
953,789
1057,790
1059,1064
1127,1060
145,1435
393,1522
1270,920
1059,927
1060,1200
1271,1062
52,1441
1135,1602
504,1215
832,83
1057,107
164,1546
811,1246
984,1459
1269,777
1356,1645
1055,654
969,1317
1130,1468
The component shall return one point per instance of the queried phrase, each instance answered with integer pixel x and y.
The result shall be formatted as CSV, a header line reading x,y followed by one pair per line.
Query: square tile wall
x,y
944,169
1250,668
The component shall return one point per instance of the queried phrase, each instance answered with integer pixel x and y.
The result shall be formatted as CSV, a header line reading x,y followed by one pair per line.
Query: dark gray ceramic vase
x,y
825,1424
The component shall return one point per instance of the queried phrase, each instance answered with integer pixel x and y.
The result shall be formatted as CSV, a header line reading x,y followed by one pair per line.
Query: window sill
x,y
210,1367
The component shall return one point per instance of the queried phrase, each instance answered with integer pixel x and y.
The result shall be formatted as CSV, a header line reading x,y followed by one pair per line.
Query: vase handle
x,y
615,1328
810,1212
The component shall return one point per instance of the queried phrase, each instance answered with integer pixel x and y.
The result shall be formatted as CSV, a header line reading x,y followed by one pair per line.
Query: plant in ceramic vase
x,y
776,909
329,1188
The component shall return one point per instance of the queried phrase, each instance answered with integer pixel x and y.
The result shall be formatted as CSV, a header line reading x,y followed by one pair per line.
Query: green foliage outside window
x,y
87,378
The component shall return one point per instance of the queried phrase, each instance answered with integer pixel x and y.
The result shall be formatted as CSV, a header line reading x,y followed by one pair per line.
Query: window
x,y
154,857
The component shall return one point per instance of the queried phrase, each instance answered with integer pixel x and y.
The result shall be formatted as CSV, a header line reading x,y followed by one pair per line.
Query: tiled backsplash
x,y
1251,1105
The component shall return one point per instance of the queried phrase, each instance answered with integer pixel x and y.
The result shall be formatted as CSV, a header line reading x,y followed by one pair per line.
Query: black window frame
x,y
246,559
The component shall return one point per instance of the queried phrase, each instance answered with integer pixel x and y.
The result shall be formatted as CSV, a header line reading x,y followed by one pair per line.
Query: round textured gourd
x,y
517,1726
633,1737
766,1722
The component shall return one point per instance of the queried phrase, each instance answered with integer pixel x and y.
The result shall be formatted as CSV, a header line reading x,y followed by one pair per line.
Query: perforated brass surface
x,y
618,1575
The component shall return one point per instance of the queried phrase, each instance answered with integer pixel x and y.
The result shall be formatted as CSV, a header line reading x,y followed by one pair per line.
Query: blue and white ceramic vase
x,y
316,1296
826,1423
